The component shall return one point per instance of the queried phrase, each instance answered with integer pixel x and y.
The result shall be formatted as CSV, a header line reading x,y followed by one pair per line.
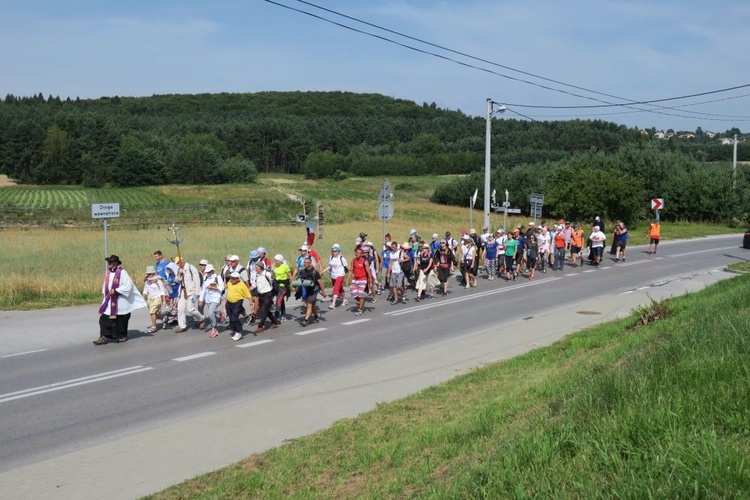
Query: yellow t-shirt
x,y
237,292
282,272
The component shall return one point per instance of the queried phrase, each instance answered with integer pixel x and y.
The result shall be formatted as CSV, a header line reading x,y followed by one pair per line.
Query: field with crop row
x,y
34,197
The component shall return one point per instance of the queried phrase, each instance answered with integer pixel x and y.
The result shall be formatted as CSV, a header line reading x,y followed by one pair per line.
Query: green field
x,y
54,225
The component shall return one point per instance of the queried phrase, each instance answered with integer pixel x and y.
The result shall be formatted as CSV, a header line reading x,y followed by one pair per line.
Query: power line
x,y
486,70
463,54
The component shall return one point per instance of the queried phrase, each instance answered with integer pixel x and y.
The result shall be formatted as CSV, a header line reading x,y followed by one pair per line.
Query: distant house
x,y
689,136
727,141
659,135
710,135
669,134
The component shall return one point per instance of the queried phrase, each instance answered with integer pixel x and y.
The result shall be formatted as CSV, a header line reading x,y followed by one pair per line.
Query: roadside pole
x,y
385,208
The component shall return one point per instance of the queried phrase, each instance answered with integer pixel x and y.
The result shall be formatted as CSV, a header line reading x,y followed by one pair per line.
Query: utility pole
x,y
734,165
487,157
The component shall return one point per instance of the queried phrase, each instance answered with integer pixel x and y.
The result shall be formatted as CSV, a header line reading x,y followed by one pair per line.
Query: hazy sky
x,y
633,49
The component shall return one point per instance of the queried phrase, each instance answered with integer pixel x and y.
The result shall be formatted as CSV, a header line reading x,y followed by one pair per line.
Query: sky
x,y
635,50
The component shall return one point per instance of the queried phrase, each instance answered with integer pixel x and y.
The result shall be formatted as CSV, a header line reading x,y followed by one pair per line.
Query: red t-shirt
x,y
359,268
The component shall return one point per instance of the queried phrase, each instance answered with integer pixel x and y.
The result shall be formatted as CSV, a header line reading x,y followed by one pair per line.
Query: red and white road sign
x,y
657,203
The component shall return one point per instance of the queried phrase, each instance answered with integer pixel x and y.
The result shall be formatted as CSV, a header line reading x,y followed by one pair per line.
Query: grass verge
x,y
619,410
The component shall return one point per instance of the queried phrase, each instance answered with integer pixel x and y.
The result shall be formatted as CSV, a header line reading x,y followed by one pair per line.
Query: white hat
x,y
261,250
278,257
303,247
472,231
210,268
532,223
235,274
203,262
434,235
413,231
234,257
596,228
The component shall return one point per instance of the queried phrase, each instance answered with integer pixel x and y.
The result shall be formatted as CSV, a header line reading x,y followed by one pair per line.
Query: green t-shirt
x,y
510,247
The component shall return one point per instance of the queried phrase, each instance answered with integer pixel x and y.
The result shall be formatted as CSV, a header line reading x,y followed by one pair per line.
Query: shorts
x,y
519,257
396,280
443,273
531,262
312,298
357,289
621,244
575,249
509,262
254,293
655,241
154,305
597,251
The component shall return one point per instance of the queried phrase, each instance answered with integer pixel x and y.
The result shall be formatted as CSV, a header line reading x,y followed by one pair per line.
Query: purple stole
x,y
111,298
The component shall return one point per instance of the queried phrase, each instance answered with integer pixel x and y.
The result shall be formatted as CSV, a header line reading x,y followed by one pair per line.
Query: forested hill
x,y
219,138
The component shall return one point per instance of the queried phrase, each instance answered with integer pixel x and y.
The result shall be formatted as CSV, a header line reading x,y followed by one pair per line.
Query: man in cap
x,y
187,299
120,298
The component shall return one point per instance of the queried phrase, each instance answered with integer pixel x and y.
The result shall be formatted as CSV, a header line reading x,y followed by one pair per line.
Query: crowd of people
x,y
257,292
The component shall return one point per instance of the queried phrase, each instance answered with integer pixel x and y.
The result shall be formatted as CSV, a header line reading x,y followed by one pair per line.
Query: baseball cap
x,y
203,262
303,247
234,257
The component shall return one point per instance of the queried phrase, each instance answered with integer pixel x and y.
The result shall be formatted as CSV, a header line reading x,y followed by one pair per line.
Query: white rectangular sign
x,y
105,210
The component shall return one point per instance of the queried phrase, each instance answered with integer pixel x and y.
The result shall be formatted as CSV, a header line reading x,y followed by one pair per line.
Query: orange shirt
x,y
577,238
654,230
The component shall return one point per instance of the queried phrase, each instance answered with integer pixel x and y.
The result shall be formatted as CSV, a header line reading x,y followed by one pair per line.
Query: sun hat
x,y
203,262
304,247
336,247
113,258
150,270
235,274
278,257
254,254
210,268
234,257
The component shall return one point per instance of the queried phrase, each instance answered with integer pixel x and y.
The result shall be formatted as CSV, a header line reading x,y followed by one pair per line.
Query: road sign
x,y
501,209
386,194
657,203
385,210
537,198
105,210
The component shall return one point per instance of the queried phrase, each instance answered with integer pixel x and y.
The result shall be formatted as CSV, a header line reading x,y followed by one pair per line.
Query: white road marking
x,y
34,391
355,321
253,344
590,270
633,263
22,353
606,267
699,252
644,288
624,293
194,356
308,332
434,303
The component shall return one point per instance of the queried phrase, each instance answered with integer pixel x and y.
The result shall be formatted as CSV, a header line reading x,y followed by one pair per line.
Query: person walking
x,y
156,294
264,285
597,239
120,299
621,240
654,235
311,284
187,302
283,275
237,292
425,267
337,270
358,278
210,298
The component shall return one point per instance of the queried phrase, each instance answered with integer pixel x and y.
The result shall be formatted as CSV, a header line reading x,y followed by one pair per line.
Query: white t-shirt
x,y
597,239
337,264
395,264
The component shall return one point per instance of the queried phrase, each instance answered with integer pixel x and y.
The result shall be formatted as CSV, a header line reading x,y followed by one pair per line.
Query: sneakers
x,y
213,333
417,299
403,300
359,312
237,336
101,340
430,296
467,286
180,330
345,302
332,306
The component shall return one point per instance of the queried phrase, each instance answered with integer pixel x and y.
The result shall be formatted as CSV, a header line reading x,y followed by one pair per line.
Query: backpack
x,y
272,281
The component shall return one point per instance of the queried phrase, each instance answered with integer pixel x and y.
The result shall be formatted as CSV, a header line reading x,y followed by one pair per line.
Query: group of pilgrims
x,y
256,293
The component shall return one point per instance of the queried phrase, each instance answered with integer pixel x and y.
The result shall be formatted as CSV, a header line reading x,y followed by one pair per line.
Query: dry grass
x,y
5,181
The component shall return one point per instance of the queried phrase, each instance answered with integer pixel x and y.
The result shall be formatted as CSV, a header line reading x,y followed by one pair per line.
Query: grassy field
x,y
56,257
620,410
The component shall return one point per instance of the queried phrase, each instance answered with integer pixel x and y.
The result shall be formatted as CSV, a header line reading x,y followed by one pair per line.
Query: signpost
x,y
537,201
385,208
656,205
105,211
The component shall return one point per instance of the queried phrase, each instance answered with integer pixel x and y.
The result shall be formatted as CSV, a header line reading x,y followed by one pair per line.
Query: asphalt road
x,y
66,405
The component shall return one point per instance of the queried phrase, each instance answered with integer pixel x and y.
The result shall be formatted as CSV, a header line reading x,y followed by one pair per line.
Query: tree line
x,y
225,138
